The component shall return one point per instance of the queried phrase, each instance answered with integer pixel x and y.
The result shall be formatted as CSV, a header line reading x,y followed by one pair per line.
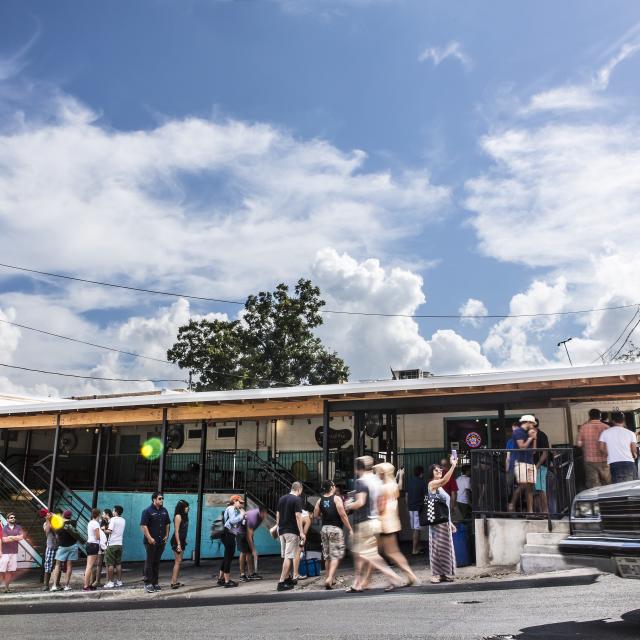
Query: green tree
x,y
272,345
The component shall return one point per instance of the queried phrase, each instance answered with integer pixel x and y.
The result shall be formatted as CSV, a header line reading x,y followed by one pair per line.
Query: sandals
x,y
176,585
435,580
352,590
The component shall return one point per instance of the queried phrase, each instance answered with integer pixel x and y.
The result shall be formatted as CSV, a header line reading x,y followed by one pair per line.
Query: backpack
x,y
217,526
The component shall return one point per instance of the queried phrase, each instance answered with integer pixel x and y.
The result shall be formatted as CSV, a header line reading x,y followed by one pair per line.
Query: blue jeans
x,y
623,471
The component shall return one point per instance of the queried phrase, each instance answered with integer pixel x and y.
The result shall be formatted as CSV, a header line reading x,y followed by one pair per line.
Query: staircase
x,y
541,551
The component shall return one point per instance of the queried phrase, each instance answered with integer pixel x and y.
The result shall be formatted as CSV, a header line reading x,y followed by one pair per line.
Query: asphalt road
x,y
564,607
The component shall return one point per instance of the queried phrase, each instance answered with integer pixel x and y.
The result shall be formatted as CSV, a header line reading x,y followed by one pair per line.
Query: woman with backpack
x,y
231,519
441,552
179,539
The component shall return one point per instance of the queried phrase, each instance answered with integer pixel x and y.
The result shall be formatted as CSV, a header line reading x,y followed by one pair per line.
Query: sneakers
x,y
229,584
118,583
110,585
245,578
46,587
284,586
220,582
66,588
55,588
296,578
157,587
149,588
255,576
292,581
87,589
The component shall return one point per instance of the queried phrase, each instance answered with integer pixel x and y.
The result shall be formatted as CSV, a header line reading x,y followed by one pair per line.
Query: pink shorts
x,y
8,562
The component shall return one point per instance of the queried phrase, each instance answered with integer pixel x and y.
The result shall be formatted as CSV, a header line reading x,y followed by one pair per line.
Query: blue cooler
x,y
461,544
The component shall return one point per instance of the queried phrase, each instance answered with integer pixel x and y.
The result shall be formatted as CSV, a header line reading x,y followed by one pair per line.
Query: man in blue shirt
x,y
525,471
154,523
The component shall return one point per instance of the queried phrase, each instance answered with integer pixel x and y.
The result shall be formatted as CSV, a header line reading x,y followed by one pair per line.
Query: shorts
x,y
8,562
242,543
525,472
289,545
67,553
49,559
365,538
541,479
332,542
113,555
414,520
92,549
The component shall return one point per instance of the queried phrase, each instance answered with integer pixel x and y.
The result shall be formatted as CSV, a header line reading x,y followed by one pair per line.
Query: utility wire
x,y
327,311
626,339
613,344
73,375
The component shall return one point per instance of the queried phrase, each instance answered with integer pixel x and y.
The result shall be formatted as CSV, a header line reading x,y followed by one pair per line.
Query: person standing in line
x,y
416,491
12,535
113,554
464,492
510,461
540,460
66,553
154,524
179,539
50,549
330,509
367,528
524,468
92,548
441,551
232,519
247,546
97,580
390,520
619,444
596,469
291,533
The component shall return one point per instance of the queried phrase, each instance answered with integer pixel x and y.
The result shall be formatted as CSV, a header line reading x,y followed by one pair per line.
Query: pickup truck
x,y
605,529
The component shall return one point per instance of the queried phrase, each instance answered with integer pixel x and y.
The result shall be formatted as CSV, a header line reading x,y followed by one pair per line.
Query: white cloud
x,y
9,335
373,345
11,65
452,49
581,97
473,307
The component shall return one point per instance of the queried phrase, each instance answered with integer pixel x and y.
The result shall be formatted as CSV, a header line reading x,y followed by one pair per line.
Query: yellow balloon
x,y
57,521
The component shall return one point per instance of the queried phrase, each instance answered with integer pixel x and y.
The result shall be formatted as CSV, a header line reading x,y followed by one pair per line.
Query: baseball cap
x,y
43,512
236,497
67,514
528,418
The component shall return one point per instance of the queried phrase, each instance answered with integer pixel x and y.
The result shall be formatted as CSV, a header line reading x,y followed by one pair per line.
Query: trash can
x,y
461,544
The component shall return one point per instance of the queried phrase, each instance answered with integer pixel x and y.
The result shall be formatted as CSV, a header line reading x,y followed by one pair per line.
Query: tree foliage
x,y
272,345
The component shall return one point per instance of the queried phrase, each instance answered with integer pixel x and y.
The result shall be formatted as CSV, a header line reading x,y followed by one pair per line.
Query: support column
x,y
27,455
235,455
163,454
5,454
325,440
105,467
54,464
201,479
96,470
569,419
502,422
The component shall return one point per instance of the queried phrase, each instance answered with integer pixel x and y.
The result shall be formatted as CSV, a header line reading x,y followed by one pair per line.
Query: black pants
x,y
229,542
152,563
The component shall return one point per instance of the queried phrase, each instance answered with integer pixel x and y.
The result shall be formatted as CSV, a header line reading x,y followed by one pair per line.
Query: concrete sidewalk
x,y
201,581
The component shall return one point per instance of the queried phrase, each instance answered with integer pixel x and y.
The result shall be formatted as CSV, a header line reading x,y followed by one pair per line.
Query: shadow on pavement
x,y
57,604
626,629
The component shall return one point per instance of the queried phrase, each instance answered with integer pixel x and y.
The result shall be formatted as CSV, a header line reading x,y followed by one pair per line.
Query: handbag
x,y
434,510
217,526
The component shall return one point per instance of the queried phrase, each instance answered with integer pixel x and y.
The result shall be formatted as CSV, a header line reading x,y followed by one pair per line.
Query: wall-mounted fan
x,y
372,424
175,436
68,441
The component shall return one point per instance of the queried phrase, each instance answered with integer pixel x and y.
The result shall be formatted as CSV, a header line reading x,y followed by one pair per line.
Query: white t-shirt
x,y
618,440
103,540
116,526
464,489
92,527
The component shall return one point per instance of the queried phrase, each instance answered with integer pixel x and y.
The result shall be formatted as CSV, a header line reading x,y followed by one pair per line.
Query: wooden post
x,y
201,480
569,419
325,440
105,468
54,464
27,455
96,469
163,453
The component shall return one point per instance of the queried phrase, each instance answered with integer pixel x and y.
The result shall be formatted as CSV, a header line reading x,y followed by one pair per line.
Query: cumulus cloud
x,y
473,307
373,345
452,49
9,335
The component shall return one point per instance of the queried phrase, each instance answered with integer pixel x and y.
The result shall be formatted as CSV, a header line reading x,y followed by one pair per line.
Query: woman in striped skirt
x,y
441,554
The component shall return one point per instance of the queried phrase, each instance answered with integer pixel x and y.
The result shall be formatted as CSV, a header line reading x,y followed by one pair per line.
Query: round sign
x,y
473,440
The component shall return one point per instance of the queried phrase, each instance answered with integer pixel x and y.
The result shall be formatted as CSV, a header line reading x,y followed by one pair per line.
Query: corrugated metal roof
x,y
333,390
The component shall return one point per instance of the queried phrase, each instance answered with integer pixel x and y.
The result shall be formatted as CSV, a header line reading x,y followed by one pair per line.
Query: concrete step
x,y
541,548
542,562
546,538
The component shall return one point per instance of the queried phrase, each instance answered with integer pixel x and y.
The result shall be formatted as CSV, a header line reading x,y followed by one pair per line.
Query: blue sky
x,y
444,140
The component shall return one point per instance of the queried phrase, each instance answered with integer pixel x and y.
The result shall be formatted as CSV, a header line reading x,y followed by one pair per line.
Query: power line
x,y
73,375
613,344
91,344
626,339
327,311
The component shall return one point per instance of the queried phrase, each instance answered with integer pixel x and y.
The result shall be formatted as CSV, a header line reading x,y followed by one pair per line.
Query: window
x,y
225,432
194,434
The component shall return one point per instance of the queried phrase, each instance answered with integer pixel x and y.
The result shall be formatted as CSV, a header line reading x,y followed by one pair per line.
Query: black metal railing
x,y
409,460
522,483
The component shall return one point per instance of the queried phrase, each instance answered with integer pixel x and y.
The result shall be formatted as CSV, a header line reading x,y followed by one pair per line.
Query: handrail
x,y
23,485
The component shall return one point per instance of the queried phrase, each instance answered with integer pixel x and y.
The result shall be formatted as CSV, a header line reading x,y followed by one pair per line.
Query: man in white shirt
x,y
619,443
464,492
113,554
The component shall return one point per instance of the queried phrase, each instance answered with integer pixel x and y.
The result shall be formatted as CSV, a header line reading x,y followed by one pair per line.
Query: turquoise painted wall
x,y
134,503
